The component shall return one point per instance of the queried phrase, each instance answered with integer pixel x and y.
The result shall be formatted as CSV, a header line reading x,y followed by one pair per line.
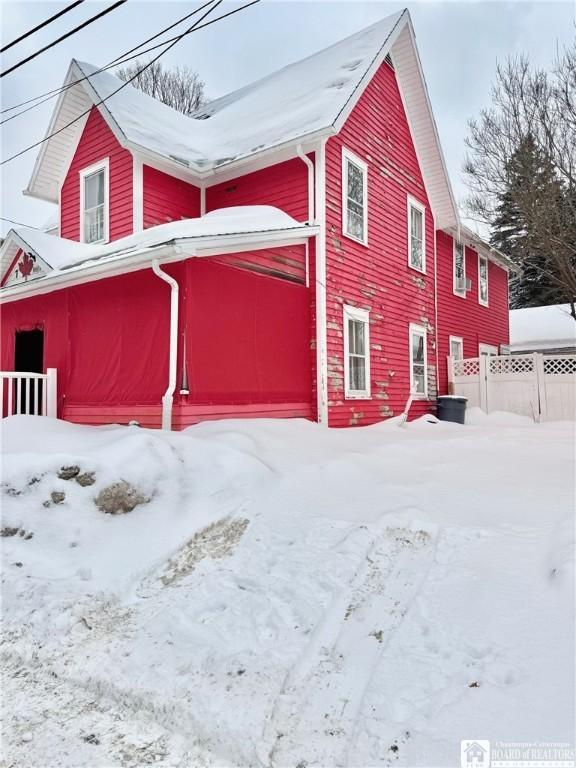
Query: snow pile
x,y
286,595
537,328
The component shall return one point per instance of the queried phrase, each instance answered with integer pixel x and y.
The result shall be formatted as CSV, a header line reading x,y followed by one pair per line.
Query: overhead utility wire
x,y
43,24
194,27
122,59
91,20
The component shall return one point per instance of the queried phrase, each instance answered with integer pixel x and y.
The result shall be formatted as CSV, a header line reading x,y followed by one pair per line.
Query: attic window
x,y
94,203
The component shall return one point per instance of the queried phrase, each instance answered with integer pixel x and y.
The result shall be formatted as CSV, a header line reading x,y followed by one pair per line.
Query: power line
x,y
63,37
20,224
194,27
43,24
122,59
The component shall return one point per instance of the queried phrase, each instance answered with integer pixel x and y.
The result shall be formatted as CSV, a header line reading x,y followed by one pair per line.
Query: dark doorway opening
x,y
29,358
29,351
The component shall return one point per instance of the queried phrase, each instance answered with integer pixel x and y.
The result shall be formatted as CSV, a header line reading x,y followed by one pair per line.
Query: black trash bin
x,y
452,408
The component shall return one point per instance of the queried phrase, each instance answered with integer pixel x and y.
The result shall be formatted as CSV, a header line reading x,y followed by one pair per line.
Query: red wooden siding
x,y
467,318
284,185
167,198
96,143
247,345
377,277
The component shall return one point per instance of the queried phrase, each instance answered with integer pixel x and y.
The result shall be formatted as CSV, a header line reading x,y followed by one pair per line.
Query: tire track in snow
x,y
314,720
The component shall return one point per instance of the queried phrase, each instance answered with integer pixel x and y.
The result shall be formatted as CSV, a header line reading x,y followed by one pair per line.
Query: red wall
x,y
377,277
247,345
96,143
167,198
284,185
247,336
467,318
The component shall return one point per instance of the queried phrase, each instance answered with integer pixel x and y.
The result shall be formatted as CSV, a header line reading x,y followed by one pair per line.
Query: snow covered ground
x,y
288,596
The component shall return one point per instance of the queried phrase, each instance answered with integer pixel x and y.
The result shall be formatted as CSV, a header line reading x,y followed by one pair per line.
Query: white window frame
x,y
419,330
488,349
457,340
347,157
483,303
461,294
362,316
101,165
413,203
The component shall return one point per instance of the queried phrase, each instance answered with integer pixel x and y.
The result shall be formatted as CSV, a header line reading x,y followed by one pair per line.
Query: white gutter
x,y
168,397
321,344
436,330
310,165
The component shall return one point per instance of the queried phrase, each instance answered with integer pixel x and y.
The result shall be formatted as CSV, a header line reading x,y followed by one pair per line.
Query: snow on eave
x,y
470,238
223,231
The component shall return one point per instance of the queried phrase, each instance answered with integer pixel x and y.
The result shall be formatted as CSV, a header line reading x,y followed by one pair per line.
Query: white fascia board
x,y
175,250
371,71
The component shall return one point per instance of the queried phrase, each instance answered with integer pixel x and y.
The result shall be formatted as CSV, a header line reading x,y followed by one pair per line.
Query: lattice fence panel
x,y
468,367
556,366
510,365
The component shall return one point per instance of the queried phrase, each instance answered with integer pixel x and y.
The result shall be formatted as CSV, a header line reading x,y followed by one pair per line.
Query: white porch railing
x,y
540,386
28,393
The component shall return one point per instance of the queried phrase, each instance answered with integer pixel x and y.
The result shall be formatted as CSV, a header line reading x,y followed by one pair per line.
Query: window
x,y
356,353
416,242
418,366
459,270
483,280
456,347
94,203
487,349
354,197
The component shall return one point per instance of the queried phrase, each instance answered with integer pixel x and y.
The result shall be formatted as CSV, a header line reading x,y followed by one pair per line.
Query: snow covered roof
x,y
303,101
222,231
537,328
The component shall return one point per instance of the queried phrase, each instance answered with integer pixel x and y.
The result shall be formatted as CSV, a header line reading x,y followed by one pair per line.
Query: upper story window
x,y
356,353
354,197
456,347
416,236
418,361
459,270
94,203
483,280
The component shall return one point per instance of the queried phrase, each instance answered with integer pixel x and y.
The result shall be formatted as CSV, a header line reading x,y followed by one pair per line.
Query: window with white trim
x,y
459,269
356,352
416,235
418,361
94,203
483,280
354,197
456,347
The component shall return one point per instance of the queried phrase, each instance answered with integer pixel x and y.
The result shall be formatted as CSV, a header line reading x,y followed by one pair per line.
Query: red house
x,y
292,249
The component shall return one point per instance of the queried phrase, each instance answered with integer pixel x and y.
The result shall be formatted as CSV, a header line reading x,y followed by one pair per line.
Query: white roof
x,y
304,100
226,228
537,328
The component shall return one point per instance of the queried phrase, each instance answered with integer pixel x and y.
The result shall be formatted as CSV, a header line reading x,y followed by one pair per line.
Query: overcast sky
x,y
459,44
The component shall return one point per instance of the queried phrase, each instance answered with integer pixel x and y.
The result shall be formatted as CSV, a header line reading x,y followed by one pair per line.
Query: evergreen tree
x,y
531,188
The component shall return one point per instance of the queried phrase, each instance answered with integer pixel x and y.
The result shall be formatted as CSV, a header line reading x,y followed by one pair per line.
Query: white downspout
x,y
321,342
168,397
303,156
436,329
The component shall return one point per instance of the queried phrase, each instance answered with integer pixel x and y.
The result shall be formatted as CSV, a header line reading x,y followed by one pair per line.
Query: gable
x,y
97,142
301,103
23,265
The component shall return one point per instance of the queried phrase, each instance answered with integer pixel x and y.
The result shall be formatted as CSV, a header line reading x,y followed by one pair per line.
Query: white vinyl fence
x,y
28,393
540,386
